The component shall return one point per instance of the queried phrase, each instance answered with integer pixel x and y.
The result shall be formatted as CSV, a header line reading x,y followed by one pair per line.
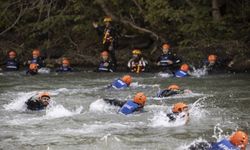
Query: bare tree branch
x,y
21,13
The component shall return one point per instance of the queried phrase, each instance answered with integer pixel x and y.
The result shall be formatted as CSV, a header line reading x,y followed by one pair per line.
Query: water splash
x,y
161,120
198,72
44,70
101,106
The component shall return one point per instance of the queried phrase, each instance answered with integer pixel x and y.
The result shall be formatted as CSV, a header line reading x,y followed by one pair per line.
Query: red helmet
x,y
212,58
12,53
36,52
33,66
185,67
65,61
104,53
166,46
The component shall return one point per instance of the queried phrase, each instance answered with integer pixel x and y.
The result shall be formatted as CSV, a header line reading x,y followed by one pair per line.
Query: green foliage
x,y
62,21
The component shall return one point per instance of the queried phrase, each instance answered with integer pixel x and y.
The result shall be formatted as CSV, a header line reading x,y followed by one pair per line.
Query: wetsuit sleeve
x,y
171,117
115,102
167,93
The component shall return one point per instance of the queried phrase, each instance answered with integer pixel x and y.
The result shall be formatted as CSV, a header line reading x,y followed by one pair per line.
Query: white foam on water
x,y
53,112
44,70
101,106
198,72
164,75
18,104
59,111
136,85
97,127
161,120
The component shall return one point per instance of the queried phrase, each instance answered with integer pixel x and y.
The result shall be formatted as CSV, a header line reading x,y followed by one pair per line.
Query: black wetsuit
x,y
166,93
200,146
31,72
169,68
34,104
109,68
120,103
173,116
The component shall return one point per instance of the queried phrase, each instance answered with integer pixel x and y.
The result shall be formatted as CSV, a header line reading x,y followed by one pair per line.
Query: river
x,y
78,119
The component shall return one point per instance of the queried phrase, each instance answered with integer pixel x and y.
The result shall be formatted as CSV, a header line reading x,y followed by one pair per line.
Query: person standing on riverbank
x,y
167,61
65,66
106,64
109,35
11,63
36,59
137,63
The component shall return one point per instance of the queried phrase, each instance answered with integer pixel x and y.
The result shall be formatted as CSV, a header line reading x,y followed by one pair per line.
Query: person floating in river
x,y
183,71
167,61
170,91
109,34
65,66
129,106
237,141
11,63
179,110
106,65
33,69
37,59
122,83
212,64
38,102
137,63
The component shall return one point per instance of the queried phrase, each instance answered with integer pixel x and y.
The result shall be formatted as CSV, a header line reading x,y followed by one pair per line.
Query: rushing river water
x,y
78,118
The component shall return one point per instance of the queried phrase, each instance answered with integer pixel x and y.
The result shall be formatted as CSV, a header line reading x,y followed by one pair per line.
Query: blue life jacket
x,y
129,107
180,74
12,64
224,145
64,69
119,84
164,60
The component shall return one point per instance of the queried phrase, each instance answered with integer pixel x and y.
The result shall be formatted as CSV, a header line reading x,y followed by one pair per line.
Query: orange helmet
x,y
33,66
104,53
12,53
240,139
44,94
36,52
65,61
173,87
140,98
166,46
185,67
179,107
212,58
127,79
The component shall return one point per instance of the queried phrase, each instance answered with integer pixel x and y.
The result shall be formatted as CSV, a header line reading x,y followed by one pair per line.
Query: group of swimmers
x,y
180,110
